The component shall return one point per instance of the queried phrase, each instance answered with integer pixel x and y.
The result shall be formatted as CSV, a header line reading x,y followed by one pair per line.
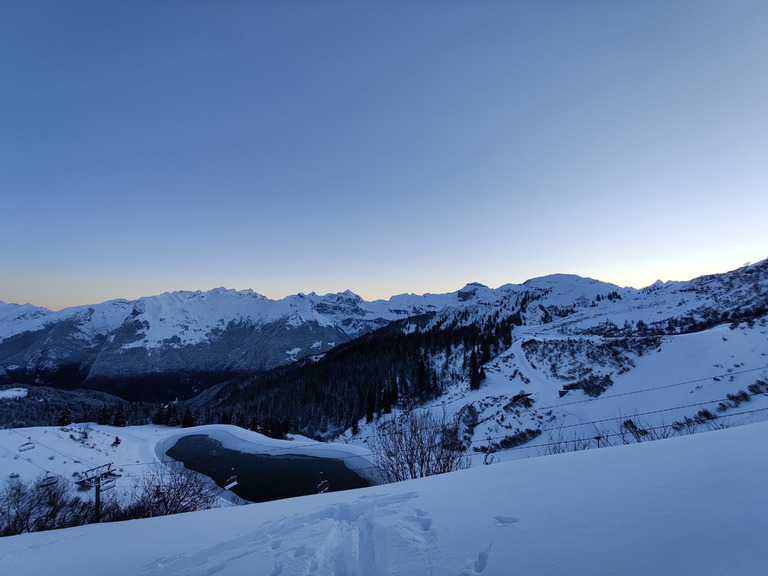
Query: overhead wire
x,y
76,459
618,434
526,446
590,400
627,393
291,450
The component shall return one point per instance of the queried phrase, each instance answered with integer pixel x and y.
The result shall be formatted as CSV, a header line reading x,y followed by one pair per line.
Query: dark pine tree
x,y
187,421
474,373
104,417
422,380
119,418
65,418
172,416
159,418
370,406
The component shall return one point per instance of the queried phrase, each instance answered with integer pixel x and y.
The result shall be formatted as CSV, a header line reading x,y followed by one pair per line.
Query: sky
x,y
382,147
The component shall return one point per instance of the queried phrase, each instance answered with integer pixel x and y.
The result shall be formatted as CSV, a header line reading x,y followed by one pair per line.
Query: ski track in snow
x,y
345,538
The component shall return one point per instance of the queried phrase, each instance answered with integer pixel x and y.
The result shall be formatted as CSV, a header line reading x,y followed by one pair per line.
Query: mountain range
x,y
563,333
177,344
555,356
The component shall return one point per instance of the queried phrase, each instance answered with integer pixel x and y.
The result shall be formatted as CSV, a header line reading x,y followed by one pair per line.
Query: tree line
x,y
404,364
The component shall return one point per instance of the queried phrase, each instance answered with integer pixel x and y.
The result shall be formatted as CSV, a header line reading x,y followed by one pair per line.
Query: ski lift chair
x,y
231,481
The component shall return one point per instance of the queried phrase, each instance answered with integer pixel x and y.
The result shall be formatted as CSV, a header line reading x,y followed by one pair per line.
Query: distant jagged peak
x,y
8,309
220,292
346,295
662,285
14,316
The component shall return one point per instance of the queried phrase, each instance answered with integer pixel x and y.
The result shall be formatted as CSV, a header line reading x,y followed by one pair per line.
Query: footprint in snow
x,y
479,565
502,520
300,551
424,522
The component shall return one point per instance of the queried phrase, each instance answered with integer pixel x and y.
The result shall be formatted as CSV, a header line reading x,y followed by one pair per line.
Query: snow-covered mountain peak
x,y
474,291
569,283
15,317
11,312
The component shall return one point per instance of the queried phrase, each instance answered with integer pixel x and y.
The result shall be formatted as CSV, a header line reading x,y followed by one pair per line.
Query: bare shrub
x,y
557,443
41,505
416,445
519,438
170,489
50,502
633,430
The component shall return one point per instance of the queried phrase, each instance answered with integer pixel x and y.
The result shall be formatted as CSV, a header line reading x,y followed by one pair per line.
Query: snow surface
x,y
13,393
688,505
692,505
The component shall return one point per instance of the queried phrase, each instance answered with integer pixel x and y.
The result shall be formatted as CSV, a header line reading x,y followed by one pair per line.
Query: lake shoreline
x,y
267,469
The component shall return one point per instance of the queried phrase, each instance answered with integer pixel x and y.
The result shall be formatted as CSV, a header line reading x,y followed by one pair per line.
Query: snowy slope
x,y
589,360
678,379
693,505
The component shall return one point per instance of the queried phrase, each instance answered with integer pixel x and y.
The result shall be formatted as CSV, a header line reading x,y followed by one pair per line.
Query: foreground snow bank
x,y
692,505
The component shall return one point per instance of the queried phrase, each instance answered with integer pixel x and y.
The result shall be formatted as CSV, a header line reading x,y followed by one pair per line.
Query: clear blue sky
x,y
384,147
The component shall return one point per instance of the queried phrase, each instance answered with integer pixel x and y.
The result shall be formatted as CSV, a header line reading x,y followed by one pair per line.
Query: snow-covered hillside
x,y
587,357
560,362
693,505
528,403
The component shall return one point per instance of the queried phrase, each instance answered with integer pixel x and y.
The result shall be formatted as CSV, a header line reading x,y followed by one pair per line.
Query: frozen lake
x,y
263,477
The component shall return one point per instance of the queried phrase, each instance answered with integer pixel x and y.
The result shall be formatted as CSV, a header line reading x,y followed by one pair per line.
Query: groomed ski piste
x,y
692,504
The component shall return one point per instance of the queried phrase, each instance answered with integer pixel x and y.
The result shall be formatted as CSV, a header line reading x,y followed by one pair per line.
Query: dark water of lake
x,y
263,477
